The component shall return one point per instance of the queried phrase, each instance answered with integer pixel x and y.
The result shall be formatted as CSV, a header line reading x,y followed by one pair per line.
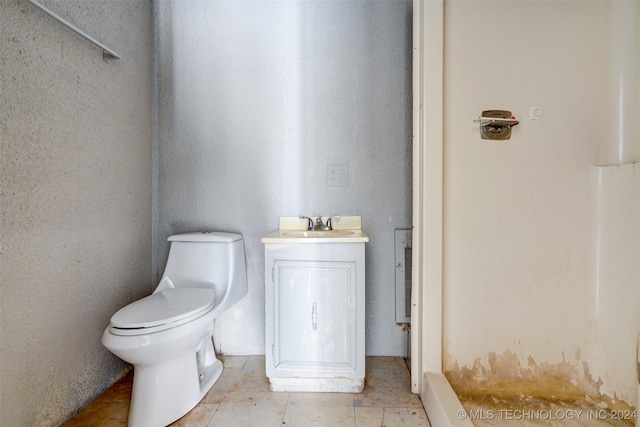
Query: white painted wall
x,y
75,164
256,98
519,264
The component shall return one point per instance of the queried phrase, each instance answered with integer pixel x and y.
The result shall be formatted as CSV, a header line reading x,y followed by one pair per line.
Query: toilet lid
x,y
162,310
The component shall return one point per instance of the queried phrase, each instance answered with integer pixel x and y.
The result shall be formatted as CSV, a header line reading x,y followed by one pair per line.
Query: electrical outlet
x,y
338,175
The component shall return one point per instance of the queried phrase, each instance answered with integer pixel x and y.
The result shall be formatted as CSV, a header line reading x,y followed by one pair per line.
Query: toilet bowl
x,y
168,335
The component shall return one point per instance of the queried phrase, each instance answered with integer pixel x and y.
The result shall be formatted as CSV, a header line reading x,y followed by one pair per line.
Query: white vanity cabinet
x,y
315,312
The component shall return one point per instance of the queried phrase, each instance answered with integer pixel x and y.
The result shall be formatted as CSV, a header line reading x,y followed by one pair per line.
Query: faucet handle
x,y
329,225
309,223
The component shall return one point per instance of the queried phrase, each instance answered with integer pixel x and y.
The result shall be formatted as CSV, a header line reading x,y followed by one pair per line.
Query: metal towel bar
x,y
106,52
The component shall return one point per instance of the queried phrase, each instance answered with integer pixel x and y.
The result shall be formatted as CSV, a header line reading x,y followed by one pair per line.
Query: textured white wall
x,y
255,99
76,199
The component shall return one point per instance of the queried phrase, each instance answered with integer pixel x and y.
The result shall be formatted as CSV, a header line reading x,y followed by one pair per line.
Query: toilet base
x,y
172,370
164,393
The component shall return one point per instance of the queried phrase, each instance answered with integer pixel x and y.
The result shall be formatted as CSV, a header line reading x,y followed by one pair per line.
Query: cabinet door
x,y
314,316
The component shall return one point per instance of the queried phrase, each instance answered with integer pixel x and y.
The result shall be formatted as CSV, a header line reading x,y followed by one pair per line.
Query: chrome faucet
x,y
318,225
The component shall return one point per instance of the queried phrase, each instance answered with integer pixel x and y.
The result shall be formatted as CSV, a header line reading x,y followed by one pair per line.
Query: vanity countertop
x,y
345,229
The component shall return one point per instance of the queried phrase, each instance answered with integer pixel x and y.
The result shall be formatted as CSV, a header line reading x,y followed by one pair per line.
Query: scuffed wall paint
x,y
501,384
256,98
504,376
75,169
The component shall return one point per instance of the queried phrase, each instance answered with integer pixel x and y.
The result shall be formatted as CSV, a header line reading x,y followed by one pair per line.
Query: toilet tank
x,y
208,260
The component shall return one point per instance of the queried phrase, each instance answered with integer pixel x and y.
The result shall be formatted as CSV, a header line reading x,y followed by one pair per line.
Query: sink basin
x,y
317,233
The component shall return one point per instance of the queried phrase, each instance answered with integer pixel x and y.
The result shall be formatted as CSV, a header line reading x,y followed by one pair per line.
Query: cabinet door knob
x,y
314,316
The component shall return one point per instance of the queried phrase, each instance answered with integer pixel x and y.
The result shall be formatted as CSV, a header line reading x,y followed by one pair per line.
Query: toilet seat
x,y
162,310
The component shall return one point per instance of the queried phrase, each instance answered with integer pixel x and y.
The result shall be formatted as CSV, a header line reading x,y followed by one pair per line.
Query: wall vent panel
x,y
403,275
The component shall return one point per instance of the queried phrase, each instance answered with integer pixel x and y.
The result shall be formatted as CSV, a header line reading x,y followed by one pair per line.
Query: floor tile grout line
x,y
353,407
286,405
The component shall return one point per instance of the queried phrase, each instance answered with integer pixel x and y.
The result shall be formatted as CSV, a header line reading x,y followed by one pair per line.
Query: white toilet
x,y
167,336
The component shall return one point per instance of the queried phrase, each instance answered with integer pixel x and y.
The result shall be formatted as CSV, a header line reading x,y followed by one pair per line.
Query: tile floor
x,y
241,397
